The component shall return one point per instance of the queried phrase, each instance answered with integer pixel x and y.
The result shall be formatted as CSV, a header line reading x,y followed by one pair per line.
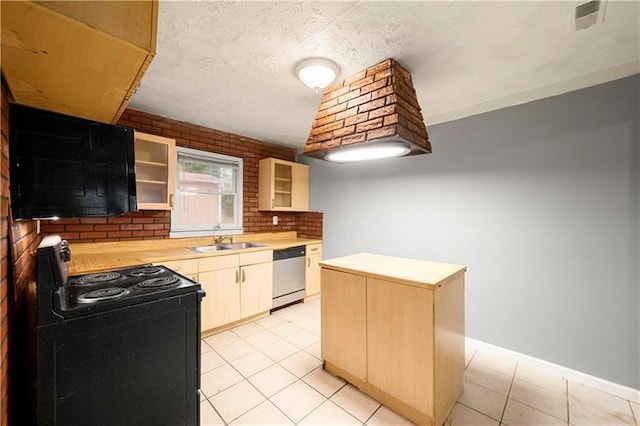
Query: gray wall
x,y
540,201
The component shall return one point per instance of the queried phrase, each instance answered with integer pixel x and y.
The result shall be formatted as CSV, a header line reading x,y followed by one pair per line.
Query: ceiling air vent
x,y
585,14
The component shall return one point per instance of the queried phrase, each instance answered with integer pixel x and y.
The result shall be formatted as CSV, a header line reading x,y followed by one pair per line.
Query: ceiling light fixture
x,y
369,152
317,73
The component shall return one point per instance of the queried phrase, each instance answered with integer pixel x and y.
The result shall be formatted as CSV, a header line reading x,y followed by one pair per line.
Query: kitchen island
x,y
394,328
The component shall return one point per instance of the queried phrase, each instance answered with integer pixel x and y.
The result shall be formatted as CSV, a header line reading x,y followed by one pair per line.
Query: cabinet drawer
x,y
215,263
184,267
314,248
256,257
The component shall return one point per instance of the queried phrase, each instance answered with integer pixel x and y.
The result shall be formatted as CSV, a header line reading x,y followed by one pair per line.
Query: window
x,y
208,194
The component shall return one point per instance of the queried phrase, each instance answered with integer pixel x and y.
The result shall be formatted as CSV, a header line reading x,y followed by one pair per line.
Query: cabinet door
x,y
256,290
221,305
343,321
312,276
400,342
300,187
155,158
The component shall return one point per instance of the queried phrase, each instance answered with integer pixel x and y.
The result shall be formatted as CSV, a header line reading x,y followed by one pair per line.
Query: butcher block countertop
x,y
419,273
95,257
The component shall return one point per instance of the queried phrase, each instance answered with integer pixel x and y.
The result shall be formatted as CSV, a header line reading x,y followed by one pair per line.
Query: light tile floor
x,y
269,372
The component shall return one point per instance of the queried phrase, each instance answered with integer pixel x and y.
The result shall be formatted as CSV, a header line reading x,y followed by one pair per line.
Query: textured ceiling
x,y
229,65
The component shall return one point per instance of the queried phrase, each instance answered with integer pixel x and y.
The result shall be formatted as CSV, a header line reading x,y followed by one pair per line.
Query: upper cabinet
x,y
155,158
83,59
284,186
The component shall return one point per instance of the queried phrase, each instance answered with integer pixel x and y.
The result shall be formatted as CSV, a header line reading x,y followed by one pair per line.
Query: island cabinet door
x,y
343,321
400,342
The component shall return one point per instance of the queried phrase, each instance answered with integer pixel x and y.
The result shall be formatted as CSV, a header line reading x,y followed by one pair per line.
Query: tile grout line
x,y
476,410
633,413
506,402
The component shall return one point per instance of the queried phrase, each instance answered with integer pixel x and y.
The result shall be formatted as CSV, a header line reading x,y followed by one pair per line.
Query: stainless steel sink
x,y
236,246
209,249
218,247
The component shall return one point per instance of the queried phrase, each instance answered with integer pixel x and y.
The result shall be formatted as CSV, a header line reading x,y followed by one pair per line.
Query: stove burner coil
x,y
102,294
103,277
151,270
155,283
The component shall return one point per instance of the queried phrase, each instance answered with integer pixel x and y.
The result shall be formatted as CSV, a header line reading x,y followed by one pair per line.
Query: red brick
x,y
356,119
153,226
353,78
343,132
132,227
379,112
380,67
371,105
373,86
348,96
347,113
328,104
113,227
79,228
359,100
390,119
382,132
369,125
357,138
119,234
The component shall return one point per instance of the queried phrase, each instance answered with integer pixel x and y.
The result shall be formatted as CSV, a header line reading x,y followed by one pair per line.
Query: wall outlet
x,y
275,220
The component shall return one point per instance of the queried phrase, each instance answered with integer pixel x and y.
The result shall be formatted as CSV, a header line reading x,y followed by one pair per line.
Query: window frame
x,y
205,230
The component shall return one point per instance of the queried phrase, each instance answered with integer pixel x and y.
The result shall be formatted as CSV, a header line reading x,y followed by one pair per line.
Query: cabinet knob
x,y
237,276
308,262
170,200
244,276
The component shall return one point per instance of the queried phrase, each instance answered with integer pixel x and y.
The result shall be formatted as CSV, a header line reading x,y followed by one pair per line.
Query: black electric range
x,y
119,347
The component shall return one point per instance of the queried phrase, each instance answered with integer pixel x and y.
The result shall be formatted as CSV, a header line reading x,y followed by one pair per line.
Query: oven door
x,y
137,365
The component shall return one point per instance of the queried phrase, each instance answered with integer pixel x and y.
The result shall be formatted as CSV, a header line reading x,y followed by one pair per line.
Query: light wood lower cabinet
x,y
312,271
400,341
221,305
256,289
344,321
402,344
236,286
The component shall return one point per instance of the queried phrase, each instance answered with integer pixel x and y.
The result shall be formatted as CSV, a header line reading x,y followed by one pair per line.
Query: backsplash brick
x,y
151,224
309,225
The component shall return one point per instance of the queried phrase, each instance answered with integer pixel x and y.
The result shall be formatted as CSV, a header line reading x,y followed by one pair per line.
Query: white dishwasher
x,y
288,275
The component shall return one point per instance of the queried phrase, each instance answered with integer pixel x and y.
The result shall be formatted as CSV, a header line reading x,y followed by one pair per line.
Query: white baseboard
x,y
603,385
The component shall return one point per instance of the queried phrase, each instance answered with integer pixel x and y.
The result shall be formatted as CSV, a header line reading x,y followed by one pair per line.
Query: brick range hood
x,y
373,108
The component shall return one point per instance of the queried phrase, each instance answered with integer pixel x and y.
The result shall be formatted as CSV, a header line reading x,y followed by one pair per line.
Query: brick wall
x,y
4,259
18,242
156,224
309,225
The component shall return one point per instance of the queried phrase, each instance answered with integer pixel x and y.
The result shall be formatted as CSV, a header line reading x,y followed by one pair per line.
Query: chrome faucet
x,y
220,238
217,239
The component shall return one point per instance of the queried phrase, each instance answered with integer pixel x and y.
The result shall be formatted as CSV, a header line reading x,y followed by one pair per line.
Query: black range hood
x,y
68,167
